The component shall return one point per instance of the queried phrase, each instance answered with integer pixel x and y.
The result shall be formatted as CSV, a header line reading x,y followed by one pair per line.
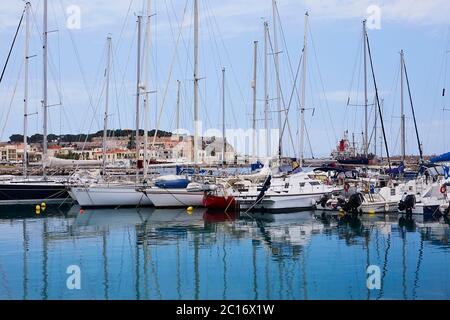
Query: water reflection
x,y
170,254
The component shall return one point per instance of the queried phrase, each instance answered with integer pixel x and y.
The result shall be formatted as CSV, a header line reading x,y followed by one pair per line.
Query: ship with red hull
x,y
219,202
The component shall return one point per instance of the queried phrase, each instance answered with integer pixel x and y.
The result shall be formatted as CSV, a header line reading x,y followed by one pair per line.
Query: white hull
x,y
379,207
112,196
174,198
426,209
281,202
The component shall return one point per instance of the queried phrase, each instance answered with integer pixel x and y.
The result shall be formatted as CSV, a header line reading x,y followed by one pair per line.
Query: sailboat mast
x,y
366,101
45,85
402,112
178,105
138,89
146,86
303,99
105,119
419,144
255,70
224,147
277,68
196,79
25,99
375,132
266,87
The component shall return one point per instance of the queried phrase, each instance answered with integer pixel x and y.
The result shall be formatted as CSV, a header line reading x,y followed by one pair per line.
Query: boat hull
x,y
280,203
379,207
123,196
219,203
427,210
174,198
33,193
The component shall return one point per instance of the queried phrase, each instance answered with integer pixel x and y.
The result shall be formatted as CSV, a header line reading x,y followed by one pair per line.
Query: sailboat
x,y
26,190
114,193
285,192
161,196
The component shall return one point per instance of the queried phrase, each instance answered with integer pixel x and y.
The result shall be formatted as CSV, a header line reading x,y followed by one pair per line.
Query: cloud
x,y
401,11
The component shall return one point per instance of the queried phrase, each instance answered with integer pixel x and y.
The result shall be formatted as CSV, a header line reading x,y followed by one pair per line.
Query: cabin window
x,y
314,183
286,185
392,192
302,184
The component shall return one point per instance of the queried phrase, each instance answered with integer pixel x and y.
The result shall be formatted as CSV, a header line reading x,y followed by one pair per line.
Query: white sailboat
x,y
124,194
182,197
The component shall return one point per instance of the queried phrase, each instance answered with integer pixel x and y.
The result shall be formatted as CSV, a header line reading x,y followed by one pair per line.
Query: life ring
x,y
346,187
443,189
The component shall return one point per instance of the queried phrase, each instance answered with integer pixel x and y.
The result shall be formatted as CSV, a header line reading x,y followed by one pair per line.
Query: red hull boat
x,y
214,202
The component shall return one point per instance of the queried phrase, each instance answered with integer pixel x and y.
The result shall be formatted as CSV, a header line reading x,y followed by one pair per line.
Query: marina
x,y
179,182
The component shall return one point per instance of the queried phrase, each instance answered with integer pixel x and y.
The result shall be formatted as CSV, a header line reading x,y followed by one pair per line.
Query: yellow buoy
x,y
43,206
371,211
38,209
189,210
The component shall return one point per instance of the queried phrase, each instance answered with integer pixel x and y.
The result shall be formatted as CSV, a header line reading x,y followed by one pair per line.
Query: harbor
x,y
169,168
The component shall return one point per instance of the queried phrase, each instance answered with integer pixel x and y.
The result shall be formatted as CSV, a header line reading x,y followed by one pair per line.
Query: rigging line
x,y
311,75
92,118
378,103
357,94
358,58
10,85
81,69
180,26
228,89
309,142
116,92
227,54
221,63
163,102
282,98
12,46
187,65
413,113
394,96
11,101
321,81
51,63
203,95
124,25
291,69
97,83
123,75
290,101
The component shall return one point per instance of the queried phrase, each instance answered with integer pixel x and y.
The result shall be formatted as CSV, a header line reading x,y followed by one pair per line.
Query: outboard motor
x,y
354,203
407,204
323,201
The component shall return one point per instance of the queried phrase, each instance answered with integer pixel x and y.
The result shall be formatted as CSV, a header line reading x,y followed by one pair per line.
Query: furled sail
x,y
56,162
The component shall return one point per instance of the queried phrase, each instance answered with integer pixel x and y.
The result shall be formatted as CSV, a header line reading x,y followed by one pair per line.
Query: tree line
x,y
72,138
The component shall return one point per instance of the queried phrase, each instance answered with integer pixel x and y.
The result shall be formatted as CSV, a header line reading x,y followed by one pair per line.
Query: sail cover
x,y
442,158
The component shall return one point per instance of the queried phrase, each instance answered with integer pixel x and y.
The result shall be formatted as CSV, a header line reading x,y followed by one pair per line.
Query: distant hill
x,y
38,138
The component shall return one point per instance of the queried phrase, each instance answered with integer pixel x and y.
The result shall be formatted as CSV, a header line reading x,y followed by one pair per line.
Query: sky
x,y
77,46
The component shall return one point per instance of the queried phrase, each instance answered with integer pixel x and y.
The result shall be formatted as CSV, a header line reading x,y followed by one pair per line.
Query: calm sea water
x,y
169,254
